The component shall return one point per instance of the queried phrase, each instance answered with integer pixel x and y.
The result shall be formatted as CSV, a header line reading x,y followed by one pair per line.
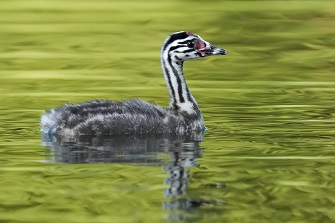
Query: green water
x,y
268,155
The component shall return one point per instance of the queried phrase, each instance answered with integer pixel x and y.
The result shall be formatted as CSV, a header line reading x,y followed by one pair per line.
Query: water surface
x,y
268,154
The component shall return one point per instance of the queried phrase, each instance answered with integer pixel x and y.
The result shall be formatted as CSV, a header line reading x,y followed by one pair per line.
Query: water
x,y
268,155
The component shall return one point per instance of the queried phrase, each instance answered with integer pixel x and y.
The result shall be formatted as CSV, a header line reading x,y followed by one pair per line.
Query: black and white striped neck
x,y
181,98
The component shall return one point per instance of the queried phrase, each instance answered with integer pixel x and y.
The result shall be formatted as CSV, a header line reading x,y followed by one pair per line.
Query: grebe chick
x,y
103,117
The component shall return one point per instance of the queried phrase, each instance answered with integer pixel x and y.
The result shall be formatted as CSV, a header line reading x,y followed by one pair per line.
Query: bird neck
x,y
181,98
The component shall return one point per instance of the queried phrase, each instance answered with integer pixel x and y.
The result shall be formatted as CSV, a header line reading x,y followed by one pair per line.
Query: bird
x,y
136,116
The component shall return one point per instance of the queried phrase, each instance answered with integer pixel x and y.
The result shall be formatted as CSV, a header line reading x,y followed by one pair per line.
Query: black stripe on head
x,y
186,41
176,36
174,47
188,51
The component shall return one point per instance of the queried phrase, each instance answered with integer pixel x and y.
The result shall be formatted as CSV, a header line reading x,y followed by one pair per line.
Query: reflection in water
x,y
139,149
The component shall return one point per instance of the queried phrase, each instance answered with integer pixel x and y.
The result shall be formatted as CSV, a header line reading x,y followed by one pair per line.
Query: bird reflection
x,y
140,149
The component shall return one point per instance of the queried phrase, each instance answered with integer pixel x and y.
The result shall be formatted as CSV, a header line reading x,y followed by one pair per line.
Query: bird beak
x,y
206,49
211,50
218,51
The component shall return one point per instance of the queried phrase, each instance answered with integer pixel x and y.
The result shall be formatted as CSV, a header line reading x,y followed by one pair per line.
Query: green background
x,y
268,105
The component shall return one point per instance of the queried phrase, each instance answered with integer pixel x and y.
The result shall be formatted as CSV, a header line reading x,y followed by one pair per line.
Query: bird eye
x,y
190,44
